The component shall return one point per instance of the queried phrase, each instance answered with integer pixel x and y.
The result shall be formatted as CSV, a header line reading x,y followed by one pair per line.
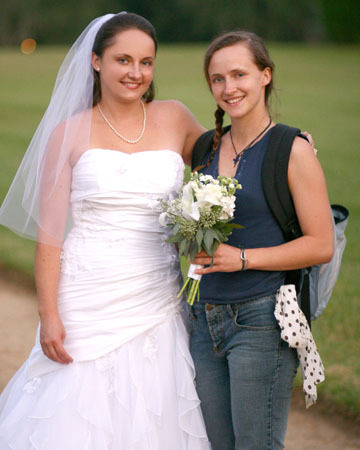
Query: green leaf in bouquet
x,y
216,208
208,240
199,237
175,229
216,234
207,249
215,246
210,237
187,247
236,226
221,236
176,238
193,250
183,246
227,228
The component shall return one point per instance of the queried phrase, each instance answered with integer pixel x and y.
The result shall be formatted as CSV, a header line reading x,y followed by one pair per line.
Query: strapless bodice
x,y
100,171
113,190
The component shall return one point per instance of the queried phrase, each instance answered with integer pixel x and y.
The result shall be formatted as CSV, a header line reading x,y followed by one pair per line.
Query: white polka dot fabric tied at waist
x,y
296,332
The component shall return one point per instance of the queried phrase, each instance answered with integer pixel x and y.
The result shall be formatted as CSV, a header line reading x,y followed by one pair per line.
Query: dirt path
x,y
308,430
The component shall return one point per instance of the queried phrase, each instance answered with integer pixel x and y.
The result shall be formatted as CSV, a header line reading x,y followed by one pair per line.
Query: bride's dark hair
x,y
105,38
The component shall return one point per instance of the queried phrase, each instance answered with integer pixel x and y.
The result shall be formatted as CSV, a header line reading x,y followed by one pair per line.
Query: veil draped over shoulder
x,y
37,204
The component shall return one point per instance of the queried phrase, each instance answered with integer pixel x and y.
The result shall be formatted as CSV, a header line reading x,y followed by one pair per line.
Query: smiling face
x,y
126,67
236,82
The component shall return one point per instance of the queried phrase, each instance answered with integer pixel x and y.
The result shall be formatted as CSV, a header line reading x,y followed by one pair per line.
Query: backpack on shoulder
x,y
315,284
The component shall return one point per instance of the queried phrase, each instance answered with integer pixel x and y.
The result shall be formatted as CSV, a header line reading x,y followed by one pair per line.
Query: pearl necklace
x,y
129,141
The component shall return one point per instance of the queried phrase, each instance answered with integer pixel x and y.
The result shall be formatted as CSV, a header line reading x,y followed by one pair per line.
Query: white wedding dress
x,y
131,385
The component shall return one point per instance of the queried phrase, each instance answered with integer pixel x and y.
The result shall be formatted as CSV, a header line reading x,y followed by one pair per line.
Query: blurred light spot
x,y
28,46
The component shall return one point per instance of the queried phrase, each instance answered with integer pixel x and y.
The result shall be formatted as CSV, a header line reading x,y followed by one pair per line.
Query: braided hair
x,y
219,119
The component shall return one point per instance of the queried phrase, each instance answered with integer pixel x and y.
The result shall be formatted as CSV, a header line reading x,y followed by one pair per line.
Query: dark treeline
x,y
59,22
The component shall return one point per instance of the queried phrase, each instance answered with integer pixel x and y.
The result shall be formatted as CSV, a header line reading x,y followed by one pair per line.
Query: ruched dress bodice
x,y
115,195
119,190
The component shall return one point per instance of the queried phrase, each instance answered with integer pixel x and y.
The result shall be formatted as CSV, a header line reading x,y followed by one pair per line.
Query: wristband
x,y
243,259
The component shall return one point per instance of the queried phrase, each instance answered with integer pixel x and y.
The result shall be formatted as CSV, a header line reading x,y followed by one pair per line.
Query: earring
x,y
97,69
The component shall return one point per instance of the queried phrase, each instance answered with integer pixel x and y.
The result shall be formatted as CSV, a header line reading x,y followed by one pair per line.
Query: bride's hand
x,y
226,259
52,335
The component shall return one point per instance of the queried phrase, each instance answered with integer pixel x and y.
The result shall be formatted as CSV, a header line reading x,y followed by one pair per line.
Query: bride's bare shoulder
x,y
170,108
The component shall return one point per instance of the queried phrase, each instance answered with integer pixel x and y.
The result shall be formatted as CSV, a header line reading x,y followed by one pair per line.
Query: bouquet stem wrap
x,y
193,284
191,271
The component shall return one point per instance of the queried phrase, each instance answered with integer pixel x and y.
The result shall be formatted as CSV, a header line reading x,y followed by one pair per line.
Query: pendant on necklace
x,y
238,155
236,159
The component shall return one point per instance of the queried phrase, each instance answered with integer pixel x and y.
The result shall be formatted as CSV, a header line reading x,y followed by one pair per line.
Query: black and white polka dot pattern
x,y
296,332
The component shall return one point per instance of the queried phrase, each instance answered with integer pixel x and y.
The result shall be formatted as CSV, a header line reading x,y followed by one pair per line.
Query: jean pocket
x,y
256,315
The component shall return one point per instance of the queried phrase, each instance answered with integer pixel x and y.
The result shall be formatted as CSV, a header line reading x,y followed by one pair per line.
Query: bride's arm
x,y
54,200
52,331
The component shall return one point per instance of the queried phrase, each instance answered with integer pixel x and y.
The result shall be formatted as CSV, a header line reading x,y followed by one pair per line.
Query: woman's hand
x,y
52,335
52,331
226,259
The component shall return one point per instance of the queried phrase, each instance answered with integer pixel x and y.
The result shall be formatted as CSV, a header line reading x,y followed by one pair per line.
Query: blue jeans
x,y
244,374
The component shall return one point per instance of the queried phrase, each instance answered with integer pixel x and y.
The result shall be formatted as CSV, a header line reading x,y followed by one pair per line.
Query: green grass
x,y
318,90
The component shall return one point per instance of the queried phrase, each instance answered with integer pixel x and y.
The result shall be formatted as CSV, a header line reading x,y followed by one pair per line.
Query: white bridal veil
x,y
37,204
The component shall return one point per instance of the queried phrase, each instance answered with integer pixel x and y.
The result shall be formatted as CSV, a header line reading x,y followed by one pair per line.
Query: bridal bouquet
x,y
199,220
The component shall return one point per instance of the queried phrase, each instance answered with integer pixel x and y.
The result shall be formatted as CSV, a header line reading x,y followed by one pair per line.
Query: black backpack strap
x,y
203,146
278,196
275,179
305,296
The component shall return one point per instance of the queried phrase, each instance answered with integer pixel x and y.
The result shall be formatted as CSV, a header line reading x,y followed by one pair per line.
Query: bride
x,y
110,368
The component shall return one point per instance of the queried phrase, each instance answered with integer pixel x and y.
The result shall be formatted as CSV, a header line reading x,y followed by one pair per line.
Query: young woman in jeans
x,y
244,370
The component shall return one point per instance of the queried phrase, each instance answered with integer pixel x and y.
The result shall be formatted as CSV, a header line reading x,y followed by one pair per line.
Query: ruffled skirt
x,y
141,396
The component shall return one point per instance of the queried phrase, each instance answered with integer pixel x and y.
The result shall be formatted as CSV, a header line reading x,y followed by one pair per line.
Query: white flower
x,y
193,184
205,178
209,194
190,209
163,219
228,204
197,197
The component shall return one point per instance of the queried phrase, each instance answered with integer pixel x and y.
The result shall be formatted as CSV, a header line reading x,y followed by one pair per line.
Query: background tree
x,y
52,22
342,20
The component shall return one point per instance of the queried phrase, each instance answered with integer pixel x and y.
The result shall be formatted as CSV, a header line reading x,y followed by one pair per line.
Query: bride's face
x,y
126,67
